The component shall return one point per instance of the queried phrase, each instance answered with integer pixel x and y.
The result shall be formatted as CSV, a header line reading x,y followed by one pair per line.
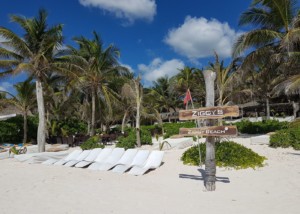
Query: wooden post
x,y
210,161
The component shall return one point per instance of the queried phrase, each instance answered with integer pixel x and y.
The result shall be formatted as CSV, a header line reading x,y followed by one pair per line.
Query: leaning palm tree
x,y
32,53
96,67
24,100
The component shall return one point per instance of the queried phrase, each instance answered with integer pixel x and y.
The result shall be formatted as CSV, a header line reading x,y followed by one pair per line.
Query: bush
x,y
295,123
228,154
171,129
153,129
286,138
67,127
261,127
92,143
130,140
11,130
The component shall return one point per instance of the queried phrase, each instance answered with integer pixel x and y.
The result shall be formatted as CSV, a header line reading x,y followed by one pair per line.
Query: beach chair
x,y
89,159
81,157
72,157
69,157
112,159
126,159
139,160
153,162
100,158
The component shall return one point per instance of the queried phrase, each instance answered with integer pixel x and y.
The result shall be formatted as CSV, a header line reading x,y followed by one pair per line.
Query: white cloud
x,y
129,10
6,86
199,38
159,68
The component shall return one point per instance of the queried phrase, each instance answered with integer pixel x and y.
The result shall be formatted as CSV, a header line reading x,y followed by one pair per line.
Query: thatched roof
x,y
9,109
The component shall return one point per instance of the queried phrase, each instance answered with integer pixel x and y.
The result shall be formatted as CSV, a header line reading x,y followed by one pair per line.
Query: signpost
x,y
209,113
217,131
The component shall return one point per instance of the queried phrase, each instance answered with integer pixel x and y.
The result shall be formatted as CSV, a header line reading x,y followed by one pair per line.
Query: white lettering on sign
x,y
208,113
208,131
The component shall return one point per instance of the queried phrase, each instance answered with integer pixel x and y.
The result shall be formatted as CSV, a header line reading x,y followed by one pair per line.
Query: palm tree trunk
x,y
210,161
295,109
25,127
41,137
123,121
268,108
138,116
93,112
89,128
138,134
160,121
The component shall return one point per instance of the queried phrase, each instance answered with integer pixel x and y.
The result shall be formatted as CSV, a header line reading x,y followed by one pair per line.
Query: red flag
x,y
188,97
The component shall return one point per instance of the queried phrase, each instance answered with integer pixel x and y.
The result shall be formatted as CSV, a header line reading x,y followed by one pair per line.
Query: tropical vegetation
x,y
85,89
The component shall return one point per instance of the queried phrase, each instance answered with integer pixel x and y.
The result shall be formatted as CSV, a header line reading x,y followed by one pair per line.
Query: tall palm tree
x,y
32,53
277,26
95,67
24,100
276,35
225,78
134,91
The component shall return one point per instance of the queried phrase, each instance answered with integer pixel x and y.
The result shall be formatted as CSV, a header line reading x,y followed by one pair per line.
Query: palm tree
x,y
32,53
95,68
192,79
133,90
225,78
24,100
164,94
274,22
276,36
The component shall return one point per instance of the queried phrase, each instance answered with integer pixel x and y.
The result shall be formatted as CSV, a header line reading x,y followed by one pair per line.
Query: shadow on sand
x,y
202,177
292,153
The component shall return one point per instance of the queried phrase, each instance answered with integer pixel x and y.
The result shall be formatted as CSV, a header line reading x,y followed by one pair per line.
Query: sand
x,y
173,188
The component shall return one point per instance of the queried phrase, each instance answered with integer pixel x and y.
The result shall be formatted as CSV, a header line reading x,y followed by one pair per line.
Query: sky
x,y
155,37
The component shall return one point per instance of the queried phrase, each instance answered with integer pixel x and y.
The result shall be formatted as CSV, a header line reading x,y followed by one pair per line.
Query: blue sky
x,y
156,37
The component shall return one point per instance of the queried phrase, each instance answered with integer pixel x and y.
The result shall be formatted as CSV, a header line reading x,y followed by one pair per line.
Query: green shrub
x,y
153,129
67,127
92,143
171,129
228,154
295,123
11,130
286,138
130,140
261,127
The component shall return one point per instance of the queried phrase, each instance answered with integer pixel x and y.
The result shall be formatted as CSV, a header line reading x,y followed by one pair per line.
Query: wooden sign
x,y
209,131
209,113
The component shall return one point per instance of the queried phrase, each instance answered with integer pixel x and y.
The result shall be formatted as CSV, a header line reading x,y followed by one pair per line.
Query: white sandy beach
x,y
173,188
